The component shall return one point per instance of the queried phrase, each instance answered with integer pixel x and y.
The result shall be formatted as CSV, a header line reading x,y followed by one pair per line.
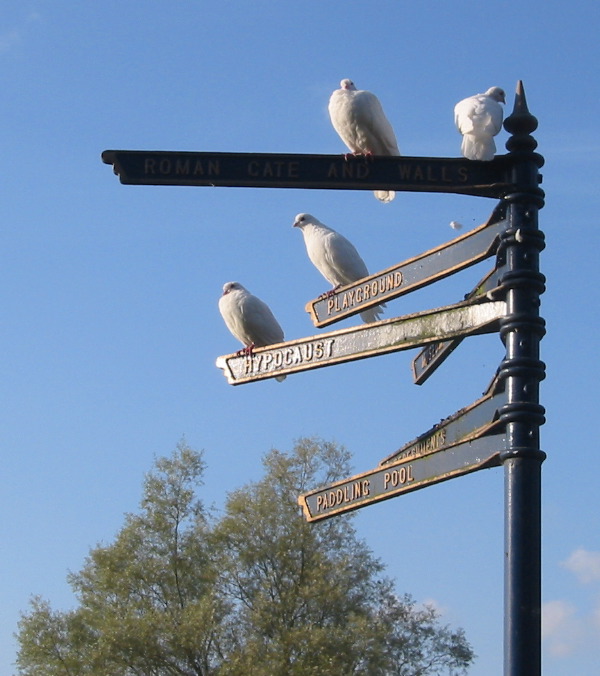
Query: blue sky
x,y
110,322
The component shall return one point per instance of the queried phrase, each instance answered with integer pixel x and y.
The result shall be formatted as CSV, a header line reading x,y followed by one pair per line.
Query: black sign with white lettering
x,y
263,170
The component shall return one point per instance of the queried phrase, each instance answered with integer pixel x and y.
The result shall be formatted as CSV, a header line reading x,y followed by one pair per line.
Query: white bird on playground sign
x,y
334,257
358,117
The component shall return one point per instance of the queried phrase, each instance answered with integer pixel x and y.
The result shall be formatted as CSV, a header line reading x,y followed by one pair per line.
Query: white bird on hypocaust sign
x,y
249,319
358,118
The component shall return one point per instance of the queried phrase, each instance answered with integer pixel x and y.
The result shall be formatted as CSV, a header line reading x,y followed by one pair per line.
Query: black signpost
x,y
501,428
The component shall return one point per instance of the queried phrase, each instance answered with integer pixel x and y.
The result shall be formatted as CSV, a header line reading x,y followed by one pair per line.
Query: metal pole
x,y
521,331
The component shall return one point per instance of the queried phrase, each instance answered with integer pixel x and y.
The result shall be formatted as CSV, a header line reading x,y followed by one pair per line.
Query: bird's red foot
x,y
247,351
368,156
348,155
329,293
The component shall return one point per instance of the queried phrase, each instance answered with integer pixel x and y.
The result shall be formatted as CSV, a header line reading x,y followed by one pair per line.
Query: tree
x,y
310,598
256,592
146,602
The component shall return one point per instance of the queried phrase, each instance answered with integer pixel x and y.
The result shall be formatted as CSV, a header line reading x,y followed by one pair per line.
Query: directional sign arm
x,y
263,170
435,354
405,476
474,421
367,340
464,442
410,275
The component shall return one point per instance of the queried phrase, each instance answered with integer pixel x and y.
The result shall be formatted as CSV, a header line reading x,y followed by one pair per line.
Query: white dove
x,y
334,257
479,118
358,118
249,319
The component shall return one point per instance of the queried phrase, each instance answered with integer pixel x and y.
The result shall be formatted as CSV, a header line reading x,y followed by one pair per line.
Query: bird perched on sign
x,y
479,118
334,257
358,118
249,319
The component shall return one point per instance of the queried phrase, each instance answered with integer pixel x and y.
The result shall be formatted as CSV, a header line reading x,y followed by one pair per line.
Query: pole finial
x,y
520,124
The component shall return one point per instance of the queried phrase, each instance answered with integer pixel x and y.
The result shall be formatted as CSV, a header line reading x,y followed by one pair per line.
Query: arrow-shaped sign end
x,y
223,363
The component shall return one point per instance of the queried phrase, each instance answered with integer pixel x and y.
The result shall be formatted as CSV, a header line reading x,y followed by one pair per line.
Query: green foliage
x,y
259,592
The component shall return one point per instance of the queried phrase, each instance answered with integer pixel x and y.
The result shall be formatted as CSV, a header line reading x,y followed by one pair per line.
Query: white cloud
x,y
432,603
562,630
596,619
554,615
13,37
584,564
8,40
567,629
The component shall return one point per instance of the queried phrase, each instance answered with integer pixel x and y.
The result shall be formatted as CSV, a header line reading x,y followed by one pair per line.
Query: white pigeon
x,y
249,319
358,118
479,118
334,257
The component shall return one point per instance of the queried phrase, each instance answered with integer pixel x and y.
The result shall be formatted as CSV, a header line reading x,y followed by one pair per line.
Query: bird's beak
x,y
294,224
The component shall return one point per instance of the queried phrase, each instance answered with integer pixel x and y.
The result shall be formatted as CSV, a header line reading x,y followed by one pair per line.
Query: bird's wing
x,y
495,115
342,118
478,115
343,258
259,322
358,118
381,136
463,114
229,307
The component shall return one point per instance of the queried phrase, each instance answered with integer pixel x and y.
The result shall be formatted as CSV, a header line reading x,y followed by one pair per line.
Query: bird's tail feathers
x,y
280,379
385,196
478,148
373,314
